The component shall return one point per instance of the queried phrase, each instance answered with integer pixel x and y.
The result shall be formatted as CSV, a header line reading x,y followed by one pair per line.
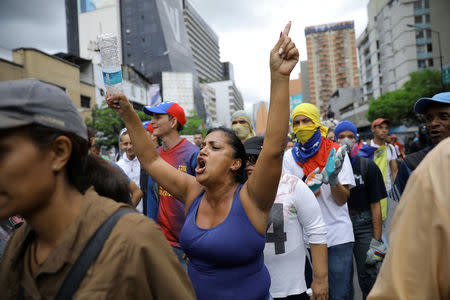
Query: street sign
x,y
446,74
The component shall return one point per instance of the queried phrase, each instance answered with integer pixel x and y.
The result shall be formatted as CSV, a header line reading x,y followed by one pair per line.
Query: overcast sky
x,y
247,30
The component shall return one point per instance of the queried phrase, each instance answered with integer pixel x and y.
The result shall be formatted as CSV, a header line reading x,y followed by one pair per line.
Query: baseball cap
x,y
421,105
167,107
380,121
254,145
31,101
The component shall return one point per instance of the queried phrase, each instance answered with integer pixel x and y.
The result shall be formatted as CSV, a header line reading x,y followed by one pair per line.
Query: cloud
x,y
31,23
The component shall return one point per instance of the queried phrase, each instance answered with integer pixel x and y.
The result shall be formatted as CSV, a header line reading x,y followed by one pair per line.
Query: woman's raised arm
x,y
263,184
181,185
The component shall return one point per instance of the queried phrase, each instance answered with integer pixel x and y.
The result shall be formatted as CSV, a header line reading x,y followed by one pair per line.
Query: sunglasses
x,y
252,158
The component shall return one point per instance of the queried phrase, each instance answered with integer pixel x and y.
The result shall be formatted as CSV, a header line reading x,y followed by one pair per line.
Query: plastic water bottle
x,y
111,62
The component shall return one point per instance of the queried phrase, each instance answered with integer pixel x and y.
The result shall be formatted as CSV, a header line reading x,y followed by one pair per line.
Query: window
x,y
420,48
418,19
419,34
421,63
85,101
427,18
378,44
430,63
429,48
427,4
428,33
418,4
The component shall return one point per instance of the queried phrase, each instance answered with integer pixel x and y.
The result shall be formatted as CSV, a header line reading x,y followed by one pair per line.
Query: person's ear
x,y
173,123
237,163
61,148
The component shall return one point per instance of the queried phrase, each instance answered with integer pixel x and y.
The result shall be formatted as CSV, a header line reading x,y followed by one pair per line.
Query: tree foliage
x,y
398,106
107,124
193,124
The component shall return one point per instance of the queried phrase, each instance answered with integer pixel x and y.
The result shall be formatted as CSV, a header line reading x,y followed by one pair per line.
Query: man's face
x,y
301,120
127,146
346,134
381,131
163,124
438,122
198,139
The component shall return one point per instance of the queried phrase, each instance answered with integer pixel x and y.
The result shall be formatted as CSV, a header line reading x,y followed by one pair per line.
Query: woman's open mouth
x,y
201,165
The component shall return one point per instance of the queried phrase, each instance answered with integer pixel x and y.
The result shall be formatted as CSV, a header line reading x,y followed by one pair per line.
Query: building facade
x,y
228,100
304,76
401,37
332,60
295,92
75,81
209,98
204,45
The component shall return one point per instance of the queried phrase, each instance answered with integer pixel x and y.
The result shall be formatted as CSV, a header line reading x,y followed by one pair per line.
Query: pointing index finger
x,y
287,28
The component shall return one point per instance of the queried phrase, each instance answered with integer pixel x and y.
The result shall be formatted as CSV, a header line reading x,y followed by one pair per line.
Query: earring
x,y
55,167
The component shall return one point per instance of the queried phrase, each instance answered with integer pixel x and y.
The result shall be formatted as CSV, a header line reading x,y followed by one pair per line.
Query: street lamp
x,y
439,44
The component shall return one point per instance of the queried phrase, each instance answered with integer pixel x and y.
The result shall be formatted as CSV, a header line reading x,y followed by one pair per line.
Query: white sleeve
x,y
392,153
287,165
309,214
346,174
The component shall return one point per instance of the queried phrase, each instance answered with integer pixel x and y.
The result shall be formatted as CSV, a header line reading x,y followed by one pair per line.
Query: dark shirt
x,y
408,165
369,187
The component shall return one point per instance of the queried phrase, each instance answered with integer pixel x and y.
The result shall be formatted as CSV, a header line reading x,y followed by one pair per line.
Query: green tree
x,y
398,106
193,124
108,124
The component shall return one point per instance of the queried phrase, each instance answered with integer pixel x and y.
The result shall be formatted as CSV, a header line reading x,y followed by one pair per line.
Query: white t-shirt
x,y
294,211
337,219
133,170
391,155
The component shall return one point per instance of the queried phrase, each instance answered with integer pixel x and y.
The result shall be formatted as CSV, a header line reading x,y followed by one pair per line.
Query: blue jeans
x,y
180,255
339,271
363,230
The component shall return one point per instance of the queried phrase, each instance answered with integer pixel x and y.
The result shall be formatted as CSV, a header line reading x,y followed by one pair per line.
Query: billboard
x,y
296,100
90,5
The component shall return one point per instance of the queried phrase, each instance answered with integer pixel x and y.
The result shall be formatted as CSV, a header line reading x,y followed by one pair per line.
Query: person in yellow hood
x,y
242,126
327,170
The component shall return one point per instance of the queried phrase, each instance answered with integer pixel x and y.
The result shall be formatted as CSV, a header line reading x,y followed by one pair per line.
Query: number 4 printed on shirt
x,y
278,236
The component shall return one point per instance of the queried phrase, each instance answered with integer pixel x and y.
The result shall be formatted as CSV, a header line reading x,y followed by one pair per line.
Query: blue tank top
x,y
226,261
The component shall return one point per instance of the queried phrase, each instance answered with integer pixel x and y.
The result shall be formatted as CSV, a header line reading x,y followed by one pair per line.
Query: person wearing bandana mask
x,y
326,169
365,210
242,126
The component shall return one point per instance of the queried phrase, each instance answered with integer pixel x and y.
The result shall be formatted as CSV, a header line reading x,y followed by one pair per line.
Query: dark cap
x,y
254,145
422,104
30,101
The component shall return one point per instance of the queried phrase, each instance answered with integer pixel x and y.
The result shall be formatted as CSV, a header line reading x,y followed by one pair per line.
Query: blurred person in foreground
x,y
74,244
295,212
365,210
242,125
437,115
417,265
226,214
326,169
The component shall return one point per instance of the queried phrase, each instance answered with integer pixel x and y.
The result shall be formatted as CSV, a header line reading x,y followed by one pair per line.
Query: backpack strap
x,y
89,255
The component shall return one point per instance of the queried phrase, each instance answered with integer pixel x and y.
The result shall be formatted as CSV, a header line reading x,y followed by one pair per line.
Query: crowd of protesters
x,y
232,215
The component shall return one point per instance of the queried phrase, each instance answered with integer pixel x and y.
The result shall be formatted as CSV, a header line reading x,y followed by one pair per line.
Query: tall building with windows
x,y
228,100
332,60
204,45
402,36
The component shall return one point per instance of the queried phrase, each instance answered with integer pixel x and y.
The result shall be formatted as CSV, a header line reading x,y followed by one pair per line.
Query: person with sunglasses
x,y
294,212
